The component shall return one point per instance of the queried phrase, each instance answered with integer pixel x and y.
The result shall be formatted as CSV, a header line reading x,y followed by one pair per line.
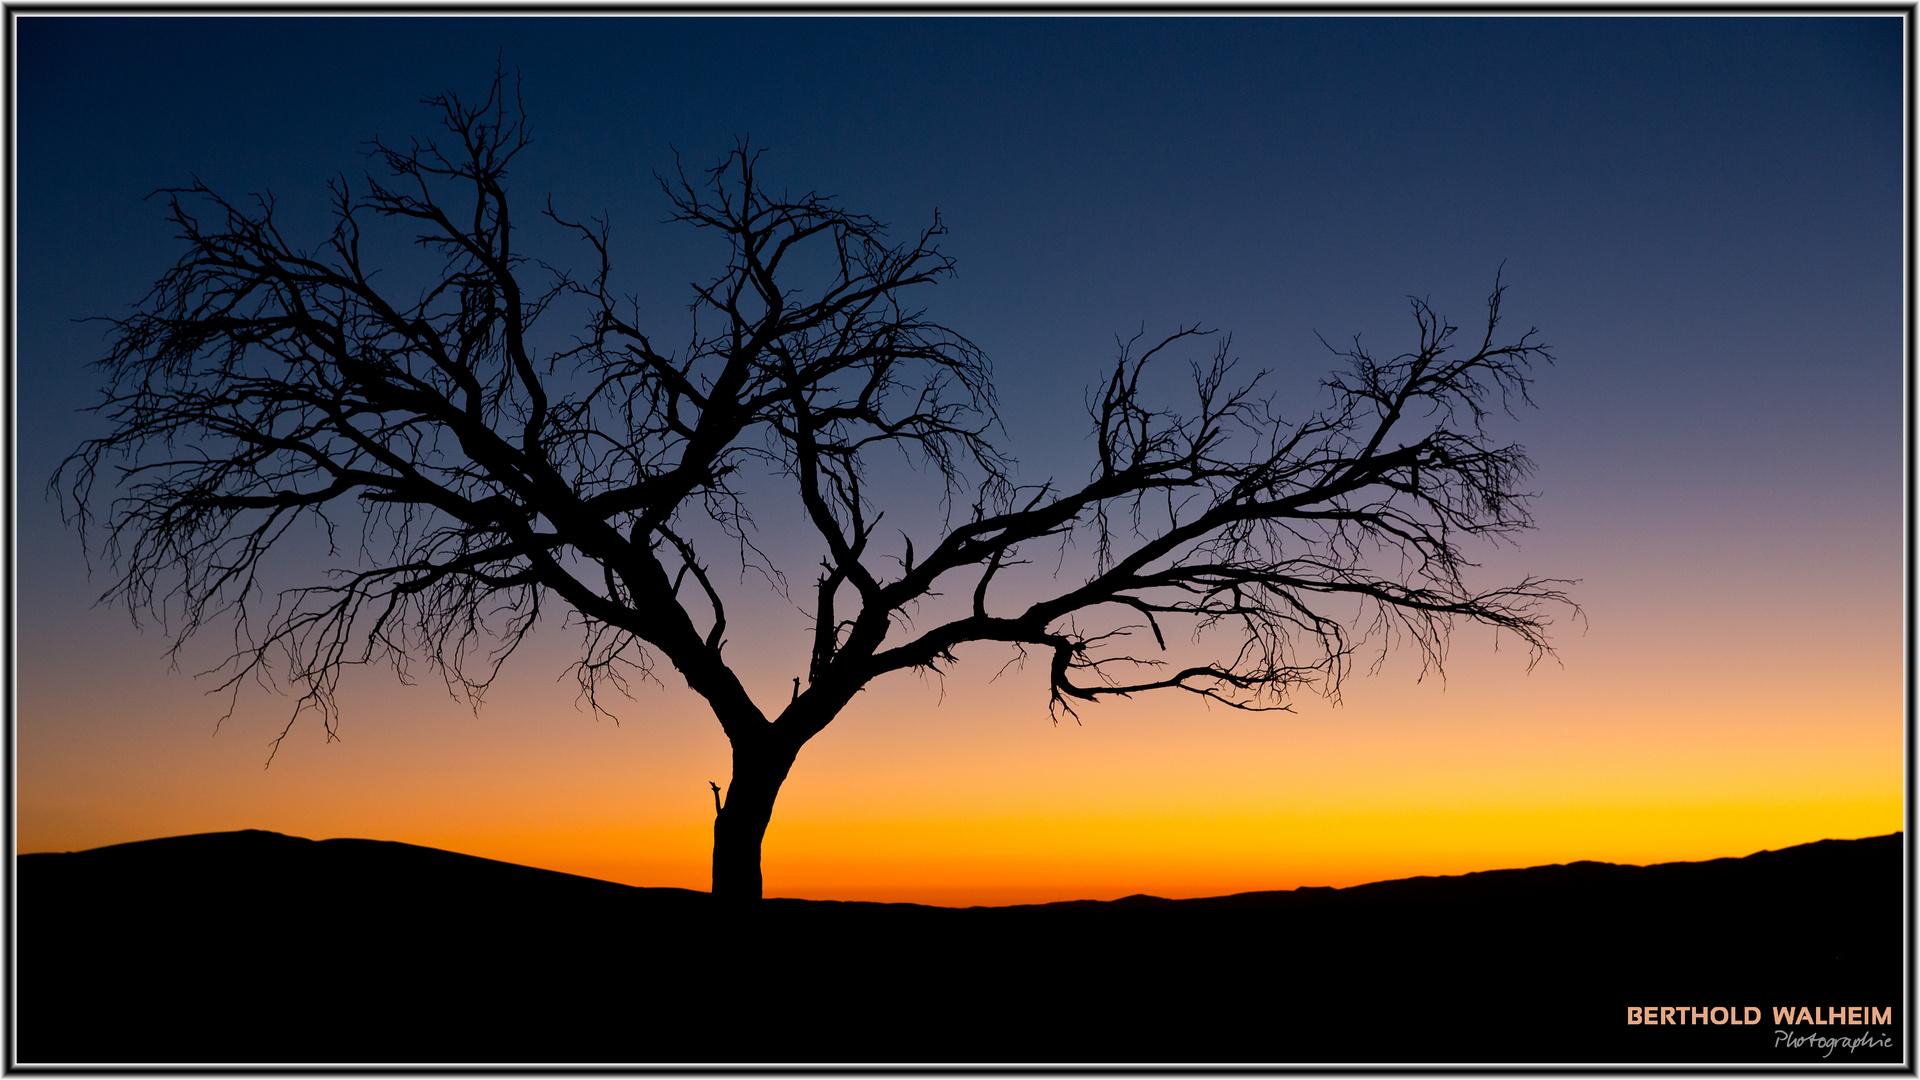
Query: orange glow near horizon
x,y
967,794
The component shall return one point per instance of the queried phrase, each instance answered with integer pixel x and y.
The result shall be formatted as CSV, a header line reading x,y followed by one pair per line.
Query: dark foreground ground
x,y
257,947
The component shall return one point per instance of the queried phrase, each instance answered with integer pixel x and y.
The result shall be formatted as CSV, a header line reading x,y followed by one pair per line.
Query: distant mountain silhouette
x,y
254,947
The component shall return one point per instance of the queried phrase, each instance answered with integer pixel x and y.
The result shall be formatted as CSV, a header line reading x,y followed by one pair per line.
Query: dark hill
x,y
258,947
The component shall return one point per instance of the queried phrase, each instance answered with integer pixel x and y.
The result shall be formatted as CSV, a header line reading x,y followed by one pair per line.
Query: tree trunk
x,y
742,822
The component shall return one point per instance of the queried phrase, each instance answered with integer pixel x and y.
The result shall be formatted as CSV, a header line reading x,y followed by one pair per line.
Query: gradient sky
x,y
1702,215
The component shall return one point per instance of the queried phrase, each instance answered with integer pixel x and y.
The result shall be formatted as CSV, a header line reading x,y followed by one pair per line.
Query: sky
x,y
1703,217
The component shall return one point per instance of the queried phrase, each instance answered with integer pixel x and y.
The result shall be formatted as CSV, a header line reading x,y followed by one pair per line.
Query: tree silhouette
x,y
492,473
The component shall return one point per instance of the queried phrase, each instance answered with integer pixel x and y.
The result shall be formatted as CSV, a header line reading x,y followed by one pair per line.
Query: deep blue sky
x,y
1702,215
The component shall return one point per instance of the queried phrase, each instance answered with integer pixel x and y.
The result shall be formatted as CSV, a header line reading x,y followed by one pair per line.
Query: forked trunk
x,y
742,822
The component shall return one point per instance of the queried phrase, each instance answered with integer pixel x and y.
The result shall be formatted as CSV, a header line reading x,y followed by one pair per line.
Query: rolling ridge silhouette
x,y
254,947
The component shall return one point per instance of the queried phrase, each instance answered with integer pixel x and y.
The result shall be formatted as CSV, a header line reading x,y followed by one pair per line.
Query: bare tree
x,y
490,476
